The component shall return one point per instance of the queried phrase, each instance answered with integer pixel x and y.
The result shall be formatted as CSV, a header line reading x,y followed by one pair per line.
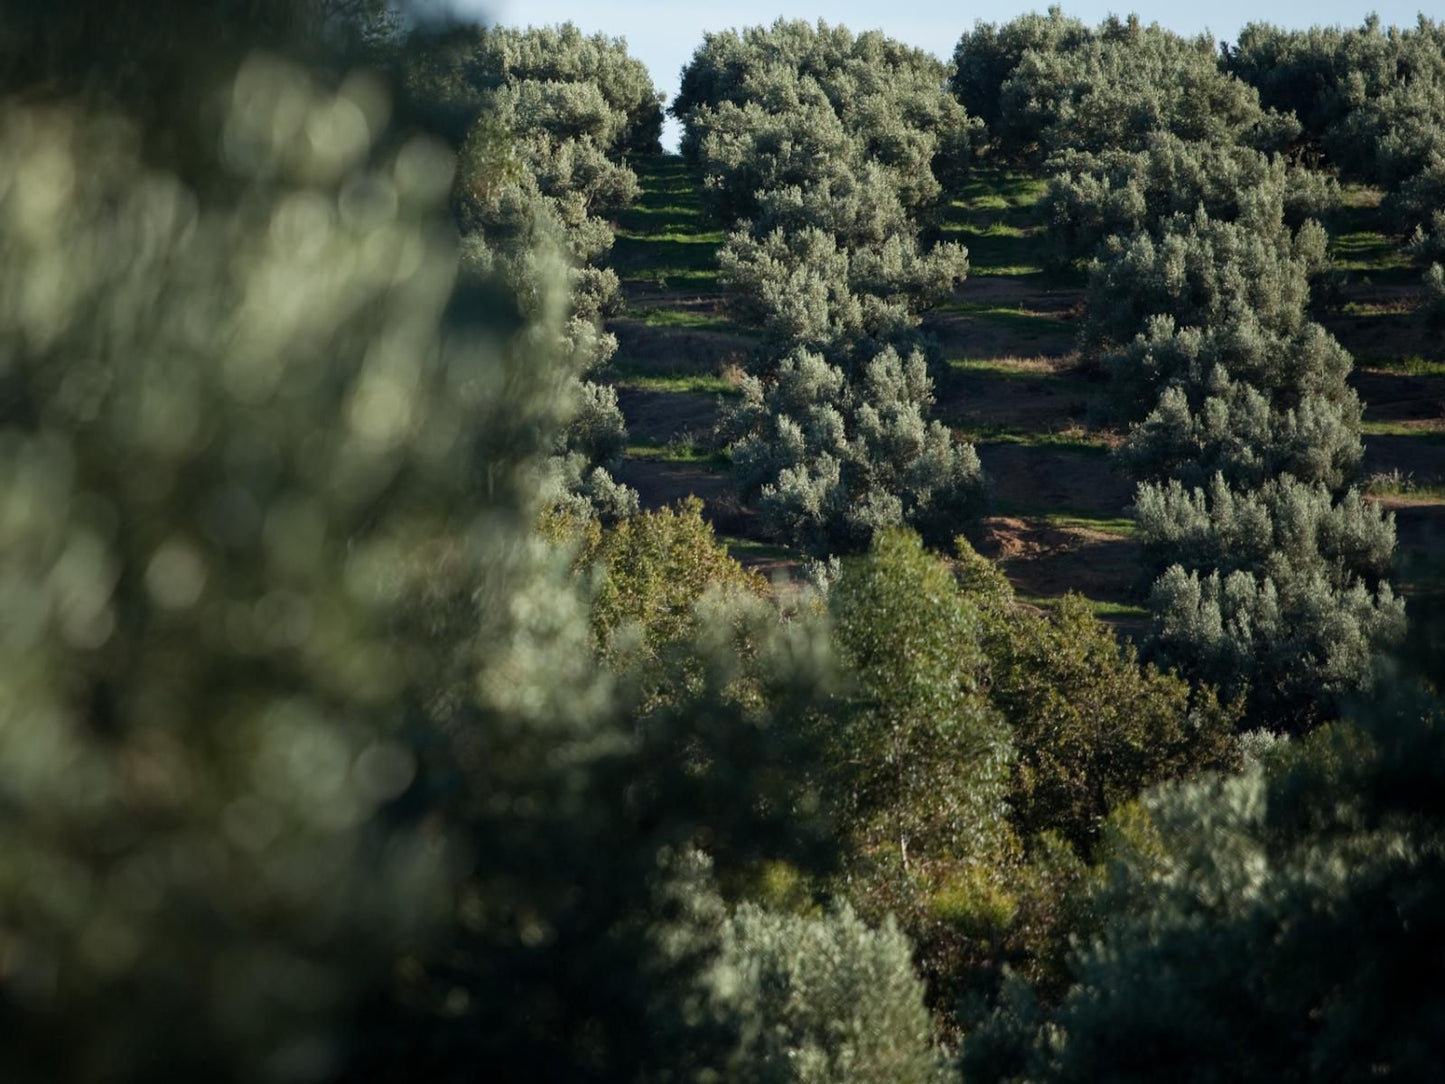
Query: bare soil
x,y
662,417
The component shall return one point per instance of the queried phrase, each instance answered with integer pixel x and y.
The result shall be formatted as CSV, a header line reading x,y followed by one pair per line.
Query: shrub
x,y
987,55
833,460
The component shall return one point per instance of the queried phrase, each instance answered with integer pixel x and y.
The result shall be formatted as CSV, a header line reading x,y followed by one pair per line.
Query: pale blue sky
x,y
664,34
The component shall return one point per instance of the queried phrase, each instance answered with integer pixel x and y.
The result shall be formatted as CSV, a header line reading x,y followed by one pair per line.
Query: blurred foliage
x,y
657,582
202,737
298,712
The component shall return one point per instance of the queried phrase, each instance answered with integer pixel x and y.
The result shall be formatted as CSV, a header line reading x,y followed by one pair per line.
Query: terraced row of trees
x,y
355,724
824,153
1242,431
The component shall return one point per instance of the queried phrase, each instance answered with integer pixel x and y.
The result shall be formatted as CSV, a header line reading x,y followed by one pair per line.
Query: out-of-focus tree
x,y
824,999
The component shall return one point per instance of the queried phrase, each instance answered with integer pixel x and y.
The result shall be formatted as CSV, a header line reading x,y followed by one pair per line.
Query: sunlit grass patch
x,y
1410,365
660,316
1431,429
750,547
1025,322
680,451
635,376
1362,241
1035,370
1397,483
993,215
1100,608
1076,440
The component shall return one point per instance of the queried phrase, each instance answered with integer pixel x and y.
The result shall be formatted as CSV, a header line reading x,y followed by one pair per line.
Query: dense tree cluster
x,y
1248,394
1049,84
1094,196
1280,588
1279,922
1165,170
543,120
1206,332
826,151
1372,101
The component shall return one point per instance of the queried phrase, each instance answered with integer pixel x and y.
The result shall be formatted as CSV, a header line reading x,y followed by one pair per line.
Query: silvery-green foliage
x,y
832,460
888,96
1281,525
807,288
986,56
826,145
1435,290
1225,370
1279,590
1113,90
1237,399
448,75
502,242
578,174
1094,195
1201,272
746,149
1417,206
1234,430
1372,96
534,165
564,112
824,1000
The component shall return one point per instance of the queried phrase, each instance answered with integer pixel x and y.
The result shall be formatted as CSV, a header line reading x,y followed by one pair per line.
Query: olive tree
x,y
824,149
1128,81
833,455
1280,590
1206,333
1092,196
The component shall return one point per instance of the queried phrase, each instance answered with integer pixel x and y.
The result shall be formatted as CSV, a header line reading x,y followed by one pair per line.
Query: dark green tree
x,y
1281,924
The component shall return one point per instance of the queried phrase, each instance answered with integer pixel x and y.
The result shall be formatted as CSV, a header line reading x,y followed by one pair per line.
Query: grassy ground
x,y
665,239
1362,242
1060,517
994,216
